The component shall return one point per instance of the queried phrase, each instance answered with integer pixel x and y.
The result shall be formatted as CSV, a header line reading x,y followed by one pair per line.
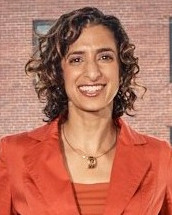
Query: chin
x,y
96,108
91,106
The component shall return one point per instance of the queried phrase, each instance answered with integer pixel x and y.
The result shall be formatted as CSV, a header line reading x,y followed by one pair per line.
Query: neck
x,y
90,132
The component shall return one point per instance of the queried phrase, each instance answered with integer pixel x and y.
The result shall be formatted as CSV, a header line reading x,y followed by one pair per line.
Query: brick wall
x,y
147,23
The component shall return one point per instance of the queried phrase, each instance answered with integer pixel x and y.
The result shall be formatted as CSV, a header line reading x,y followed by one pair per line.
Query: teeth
x,y
92,88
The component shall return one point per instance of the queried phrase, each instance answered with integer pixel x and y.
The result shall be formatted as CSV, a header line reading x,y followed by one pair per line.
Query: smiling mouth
x,y
91,90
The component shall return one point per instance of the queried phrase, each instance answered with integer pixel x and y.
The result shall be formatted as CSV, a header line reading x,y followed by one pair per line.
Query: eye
x,y
75,60
106,57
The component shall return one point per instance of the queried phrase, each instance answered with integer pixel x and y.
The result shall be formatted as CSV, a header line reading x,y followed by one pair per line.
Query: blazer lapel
x,y
48,177
129,168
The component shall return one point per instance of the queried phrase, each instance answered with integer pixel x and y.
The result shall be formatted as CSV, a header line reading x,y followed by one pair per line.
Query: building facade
x,y
149,25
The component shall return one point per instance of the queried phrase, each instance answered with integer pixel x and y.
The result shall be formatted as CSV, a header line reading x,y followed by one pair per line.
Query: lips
x,y
91,90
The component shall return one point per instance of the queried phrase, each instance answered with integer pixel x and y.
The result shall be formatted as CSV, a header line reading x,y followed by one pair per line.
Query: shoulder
x,y
157,148
23,137
155,141
29,137
152,145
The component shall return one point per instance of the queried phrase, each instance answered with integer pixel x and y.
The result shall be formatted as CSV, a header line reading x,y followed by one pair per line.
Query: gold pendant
x,y
92,162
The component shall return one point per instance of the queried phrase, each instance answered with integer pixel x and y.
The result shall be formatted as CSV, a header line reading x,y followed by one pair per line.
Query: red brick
x,y
147,23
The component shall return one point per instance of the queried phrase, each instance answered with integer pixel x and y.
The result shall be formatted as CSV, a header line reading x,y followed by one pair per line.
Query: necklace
x,y
91,160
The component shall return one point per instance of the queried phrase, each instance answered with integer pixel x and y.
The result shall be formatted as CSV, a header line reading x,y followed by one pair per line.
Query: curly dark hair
x,y
45,63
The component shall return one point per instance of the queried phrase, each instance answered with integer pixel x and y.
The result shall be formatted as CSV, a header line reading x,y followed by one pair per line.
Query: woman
x,y
86,159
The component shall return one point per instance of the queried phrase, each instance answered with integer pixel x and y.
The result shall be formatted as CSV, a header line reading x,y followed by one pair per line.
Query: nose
x,y
92,70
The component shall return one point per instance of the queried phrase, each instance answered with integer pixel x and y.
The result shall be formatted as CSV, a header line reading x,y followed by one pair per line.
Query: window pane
x,y
40,27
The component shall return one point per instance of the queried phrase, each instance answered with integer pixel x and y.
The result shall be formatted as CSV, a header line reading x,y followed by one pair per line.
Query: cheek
x,y
67,75
114,75
71,76
69,82
66,71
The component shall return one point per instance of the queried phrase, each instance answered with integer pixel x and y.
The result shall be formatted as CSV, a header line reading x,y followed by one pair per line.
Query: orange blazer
x,y
34,180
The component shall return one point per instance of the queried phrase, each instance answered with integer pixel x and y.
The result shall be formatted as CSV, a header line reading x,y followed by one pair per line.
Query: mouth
x,y
91,90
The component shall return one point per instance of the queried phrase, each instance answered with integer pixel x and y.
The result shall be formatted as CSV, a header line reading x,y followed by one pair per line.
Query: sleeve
x,y
167,204
5,195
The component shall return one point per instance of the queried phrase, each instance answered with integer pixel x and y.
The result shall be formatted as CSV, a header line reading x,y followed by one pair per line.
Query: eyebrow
x,y
97,51
106,50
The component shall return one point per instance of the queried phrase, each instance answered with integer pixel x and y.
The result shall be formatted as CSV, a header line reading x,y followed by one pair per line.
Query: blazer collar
x,y
45,165
46,174
129,168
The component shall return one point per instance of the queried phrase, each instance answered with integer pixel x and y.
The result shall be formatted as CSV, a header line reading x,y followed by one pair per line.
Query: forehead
x,y
94,36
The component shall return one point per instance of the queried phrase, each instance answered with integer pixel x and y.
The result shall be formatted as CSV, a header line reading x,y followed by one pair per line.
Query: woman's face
x,y
91,70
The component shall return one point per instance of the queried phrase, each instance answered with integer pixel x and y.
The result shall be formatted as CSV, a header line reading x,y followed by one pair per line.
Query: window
x,y
171,49
40,27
